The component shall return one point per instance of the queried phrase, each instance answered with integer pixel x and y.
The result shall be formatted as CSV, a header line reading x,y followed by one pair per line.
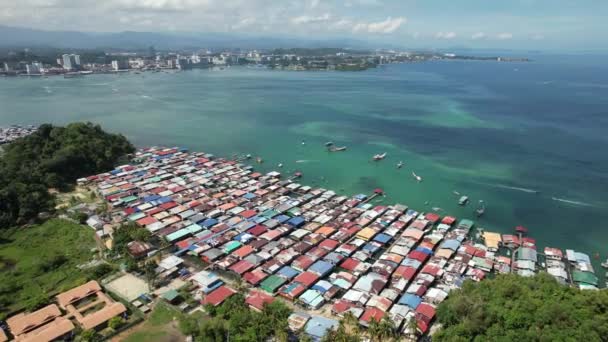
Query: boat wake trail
x,y
306,161
516,188
563,200
145,96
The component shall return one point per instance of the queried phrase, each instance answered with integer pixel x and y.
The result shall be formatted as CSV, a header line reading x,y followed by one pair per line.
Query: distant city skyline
x,y
530,24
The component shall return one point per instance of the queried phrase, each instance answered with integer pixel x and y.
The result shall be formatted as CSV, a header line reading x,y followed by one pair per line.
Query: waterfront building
x,y
120,65
71,61
34,68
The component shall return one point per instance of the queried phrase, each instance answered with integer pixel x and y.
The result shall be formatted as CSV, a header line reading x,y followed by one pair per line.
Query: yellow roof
x,y
366,233
492,239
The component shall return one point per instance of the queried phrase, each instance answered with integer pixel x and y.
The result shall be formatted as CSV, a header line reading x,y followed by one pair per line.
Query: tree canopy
x,y
52,157
513,308
234,321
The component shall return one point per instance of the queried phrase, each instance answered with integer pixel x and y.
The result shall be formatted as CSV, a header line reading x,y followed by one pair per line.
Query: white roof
x,y
170,262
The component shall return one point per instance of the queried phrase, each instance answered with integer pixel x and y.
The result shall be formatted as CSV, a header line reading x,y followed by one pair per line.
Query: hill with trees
x,y
514,308
52,157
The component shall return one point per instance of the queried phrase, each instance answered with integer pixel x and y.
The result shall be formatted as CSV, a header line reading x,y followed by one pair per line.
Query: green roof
x,y
170,295
272,283
231,246
466,223
128,199
194,228
137,216
270,213
584,277
177,235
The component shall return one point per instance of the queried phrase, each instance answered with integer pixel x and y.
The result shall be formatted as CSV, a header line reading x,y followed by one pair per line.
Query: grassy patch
x,y
158,327
39,261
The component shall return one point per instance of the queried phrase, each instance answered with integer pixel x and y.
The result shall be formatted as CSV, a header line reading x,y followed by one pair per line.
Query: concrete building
x,y
71,61
35,68
120,65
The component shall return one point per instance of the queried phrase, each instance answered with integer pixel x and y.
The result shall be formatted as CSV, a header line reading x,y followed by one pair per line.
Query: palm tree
x,y
373,330
412,326
386,329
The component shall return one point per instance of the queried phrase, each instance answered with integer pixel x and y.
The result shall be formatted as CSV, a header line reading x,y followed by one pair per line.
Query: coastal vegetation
x,y
52,157
514,308
40,261
234,318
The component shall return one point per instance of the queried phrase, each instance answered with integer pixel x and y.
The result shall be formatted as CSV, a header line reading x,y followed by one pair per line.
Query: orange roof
x,y
25,322
219,195
227,206
66,298
48,332
325,230
99,317
243,251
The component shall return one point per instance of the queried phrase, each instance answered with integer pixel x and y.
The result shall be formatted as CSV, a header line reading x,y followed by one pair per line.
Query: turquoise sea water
x,y
529,139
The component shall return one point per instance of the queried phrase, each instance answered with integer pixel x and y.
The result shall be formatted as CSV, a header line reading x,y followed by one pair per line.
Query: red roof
x,y
432,270
146,221
349,264
257,230
341,306
521,229
241,267
218,296
129,211
422,325
257,299
255,277
306,278
248,213
432,217
329,244
426,310
448,220
154,211
406,272
168,205
372,313
418,255
303,262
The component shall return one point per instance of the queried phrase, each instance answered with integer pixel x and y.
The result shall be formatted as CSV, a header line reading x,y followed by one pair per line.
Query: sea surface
x,y
528,139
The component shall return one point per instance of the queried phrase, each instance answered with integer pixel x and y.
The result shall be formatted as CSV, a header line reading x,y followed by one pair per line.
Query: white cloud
x,y
314,3
445,35
505,36
478,35
389,25
245,22
306,19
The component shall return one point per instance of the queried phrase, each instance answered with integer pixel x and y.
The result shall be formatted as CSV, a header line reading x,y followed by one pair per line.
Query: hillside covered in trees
x,y
513,308
52,157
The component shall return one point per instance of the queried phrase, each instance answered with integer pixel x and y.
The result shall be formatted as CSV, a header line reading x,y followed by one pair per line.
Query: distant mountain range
x,y
25,37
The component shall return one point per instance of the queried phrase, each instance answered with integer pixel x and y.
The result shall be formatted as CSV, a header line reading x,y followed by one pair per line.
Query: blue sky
x,y
528,24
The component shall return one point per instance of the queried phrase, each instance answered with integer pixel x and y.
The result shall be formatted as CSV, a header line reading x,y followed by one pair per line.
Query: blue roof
x,y
209,222
424,250
321,268
450,244
410,300
249,196
115,172
165,199
296,221
151,198
288,272
411,262
382,238
371,247
317,326
322,286
282,218
361,197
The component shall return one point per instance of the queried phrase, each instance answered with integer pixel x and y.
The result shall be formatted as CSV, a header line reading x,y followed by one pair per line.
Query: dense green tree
x,y
510,307
115,323
52,157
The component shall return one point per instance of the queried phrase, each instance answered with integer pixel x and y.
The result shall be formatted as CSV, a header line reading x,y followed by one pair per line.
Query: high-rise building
x,y
71,62
34,69
120,65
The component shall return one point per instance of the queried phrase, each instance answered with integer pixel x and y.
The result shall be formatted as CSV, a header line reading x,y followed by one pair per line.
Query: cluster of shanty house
x,y
85,306
306,245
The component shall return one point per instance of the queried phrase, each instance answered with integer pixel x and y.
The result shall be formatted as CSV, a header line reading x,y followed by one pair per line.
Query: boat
x,y
329,143
605,264
378,157
280,165
481,210
463,200
248,156
456,193
399,164
259,160
337,149
418,178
